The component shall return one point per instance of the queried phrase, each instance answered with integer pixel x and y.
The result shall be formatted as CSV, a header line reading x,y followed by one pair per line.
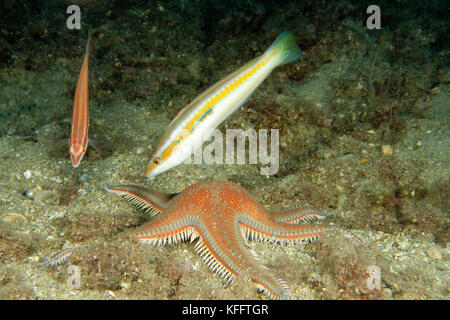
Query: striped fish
x,y
78,140
59,258
194,123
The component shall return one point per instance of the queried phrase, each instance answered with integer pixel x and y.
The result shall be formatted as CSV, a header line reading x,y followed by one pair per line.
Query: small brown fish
x,y
80,116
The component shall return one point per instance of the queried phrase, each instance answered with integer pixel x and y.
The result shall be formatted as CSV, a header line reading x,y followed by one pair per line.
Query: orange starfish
x,y
224,216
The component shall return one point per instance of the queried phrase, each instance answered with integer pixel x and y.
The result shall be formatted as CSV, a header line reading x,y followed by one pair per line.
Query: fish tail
x,y
88,45
285,48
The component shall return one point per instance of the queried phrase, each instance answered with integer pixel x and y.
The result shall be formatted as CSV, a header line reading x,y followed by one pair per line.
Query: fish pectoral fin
x,y
57,148
101,147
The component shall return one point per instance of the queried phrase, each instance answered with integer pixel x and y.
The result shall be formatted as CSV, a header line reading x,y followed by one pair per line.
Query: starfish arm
x,y
151,202
167,229
225,250
272,231
256,273
298,215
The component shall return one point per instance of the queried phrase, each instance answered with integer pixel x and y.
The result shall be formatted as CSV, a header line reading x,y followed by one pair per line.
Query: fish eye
x,y
157,161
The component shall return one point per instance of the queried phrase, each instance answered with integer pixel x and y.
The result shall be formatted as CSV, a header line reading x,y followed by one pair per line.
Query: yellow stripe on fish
x,y
195,122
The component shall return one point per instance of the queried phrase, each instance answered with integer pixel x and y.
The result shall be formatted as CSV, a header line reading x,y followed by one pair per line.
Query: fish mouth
x,y
150,171
76,160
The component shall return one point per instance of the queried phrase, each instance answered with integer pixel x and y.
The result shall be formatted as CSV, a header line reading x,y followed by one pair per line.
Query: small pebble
x,y
386,150
58,215
27,174
124,285
34,258
140,150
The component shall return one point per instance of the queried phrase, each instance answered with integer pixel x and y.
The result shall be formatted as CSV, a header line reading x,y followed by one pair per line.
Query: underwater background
x,y
363,118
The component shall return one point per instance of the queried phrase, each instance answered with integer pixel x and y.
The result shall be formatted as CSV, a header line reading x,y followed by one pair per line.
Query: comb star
x,y
223,216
